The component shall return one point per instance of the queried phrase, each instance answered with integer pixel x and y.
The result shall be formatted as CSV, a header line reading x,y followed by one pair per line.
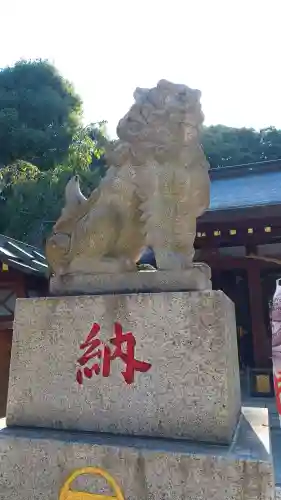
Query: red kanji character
x,y
91,344
93,350
128,356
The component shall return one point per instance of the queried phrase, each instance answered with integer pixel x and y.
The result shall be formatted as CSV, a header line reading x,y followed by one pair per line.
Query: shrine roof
x,y
242,186
23,257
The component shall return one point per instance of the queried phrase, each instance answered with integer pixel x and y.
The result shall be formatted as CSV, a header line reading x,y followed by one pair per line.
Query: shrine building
x,y
22,274
240,238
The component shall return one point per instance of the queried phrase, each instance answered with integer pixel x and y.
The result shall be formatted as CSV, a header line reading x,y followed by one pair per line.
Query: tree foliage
x,y
226,146
32,199
43,143
39,114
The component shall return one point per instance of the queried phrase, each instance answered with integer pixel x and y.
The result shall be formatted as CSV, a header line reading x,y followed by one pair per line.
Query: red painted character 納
x,y
103,355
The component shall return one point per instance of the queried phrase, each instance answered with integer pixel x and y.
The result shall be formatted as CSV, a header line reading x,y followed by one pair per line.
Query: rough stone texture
x,y
192,389
35,464
156,186
197,277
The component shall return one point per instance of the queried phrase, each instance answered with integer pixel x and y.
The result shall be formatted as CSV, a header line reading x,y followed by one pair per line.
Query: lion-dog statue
x,y
156,186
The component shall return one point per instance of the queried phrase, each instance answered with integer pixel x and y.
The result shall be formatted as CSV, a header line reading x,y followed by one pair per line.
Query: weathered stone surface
x,y
192,389
35,464
197,277
156,186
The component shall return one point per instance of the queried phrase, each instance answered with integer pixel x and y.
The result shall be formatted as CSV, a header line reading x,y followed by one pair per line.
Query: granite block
x,y
197,277
36,463
191,390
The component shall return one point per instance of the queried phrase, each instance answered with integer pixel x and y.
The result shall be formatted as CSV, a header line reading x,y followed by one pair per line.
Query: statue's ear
x,y
140,94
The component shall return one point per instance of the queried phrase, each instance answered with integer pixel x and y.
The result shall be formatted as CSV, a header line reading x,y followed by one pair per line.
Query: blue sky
x,y
230,50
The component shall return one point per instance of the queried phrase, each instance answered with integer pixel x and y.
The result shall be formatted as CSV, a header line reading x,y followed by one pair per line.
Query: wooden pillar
x,y
14,282
5,355
261,343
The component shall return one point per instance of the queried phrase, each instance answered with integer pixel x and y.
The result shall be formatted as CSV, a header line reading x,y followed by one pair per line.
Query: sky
x,y
229,49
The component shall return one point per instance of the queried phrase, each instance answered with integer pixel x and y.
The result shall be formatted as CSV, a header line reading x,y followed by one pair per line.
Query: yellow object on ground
x,y
67,494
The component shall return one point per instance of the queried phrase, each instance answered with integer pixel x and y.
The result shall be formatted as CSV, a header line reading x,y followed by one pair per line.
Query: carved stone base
x,y
36,463
190,391
197,277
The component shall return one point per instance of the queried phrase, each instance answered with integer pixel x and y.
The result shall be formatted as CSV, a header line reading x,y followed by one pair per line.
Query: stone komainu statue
x,y
156,186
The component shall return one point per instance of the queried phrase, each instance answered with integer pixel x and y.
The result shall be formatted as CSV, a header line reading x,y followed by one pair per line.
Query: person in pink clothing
x,y
275,314
276,328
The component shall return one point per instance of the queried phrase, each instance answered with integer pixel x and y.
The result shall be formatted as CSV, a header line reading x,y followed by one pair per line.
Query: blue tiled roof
x,y
252,187
25,258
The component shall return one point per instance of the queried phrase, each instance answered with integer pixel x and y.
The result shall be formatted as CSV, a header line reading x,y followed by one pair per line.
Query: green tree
x,y
98,133
81,151
31,199
88,149
39,114
233,146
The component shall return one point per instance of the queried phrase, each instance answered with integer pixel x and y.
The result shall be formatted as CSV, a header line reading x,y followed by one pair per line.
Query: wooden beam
x,y
261,345
262,258
234,242
242,214
247,231
217,261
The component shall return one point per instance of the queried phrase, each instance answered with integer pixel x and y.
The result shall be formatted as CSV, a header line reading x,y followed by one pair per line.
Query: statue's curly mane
x,y
162,120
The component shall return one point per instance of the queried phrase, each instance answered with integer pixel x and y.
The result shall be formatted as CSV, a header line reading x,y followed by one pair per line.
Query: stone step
x,y
36,463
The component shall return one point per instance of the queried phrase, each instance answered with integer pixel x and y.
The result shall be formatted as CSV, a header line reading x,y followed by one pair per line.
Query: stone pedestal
x,y
145,387
191,389
197,277
36,463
